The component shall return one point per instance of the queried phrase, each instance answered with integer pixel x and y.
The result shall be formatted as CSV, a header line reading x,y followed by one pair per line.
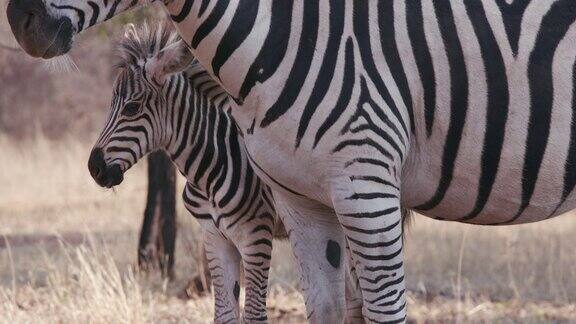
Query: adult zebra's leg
x,y
317,242
353,293
224,264
369,211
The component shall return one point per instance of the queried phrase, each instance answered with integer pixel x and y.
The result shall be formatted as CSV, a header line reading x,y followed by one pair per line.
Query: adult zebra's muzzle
x,y
104,175
39,33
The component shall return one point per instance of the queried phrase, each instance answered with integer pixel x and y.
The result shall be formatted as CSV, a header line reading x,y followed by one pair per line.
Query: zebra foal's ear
x,y
172,59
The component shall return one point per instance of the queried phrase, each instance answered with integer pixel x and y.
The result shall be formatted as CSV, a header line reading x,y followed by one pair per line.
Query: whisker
x,y
61,64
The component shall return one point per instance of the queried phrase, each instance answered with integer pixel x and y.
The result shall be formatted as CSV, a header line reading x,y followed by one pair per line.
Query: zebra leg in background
x,y
224,264
371,217
203,270
318,245
200,284
157,241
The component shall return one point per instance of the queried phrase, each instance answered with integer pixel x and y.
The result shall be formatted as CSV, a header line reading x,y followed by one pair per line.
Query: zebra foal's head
x,y
46,28
140,118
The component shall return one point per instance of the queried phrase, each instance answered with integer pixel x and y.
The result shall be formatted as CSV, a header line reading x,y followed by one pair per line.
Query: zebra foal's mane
x,y
142,43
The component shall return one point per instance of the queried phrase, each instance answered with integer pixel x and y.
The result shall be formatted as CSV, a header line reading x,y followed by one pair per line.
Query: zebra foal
x,y
182,113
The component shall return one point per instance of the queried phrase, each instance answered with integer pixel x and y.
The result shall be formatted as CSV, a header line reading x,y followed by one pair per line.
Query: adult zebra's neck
x,y
239,42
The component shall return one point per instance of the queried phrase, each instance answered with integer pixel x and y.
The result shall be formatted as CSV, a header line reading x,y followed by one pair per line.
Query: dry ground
x,y
68,248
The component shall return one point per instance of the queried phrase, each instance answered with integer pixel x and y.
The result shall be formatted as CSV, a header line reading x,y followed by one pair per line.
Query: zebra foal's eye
x,y
131,109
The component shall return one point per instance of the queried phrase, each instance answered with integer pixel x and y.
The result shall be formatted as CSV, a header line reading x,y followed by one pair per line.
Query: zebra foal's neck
x,y
202,131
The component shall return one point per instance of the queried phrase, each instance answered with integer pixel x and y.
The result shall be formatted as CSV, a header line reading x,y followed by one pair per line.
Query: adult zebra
x,y
463,106
184,114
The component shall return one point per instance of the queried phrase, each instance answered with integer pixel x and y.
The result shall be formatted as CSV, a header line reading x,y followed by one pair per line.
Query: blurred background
x,y
68,249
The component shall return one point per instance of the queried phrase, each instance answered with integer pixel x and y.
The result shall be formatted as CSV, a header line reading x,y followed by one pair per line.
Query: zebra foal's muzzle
x,y
37,32
104,175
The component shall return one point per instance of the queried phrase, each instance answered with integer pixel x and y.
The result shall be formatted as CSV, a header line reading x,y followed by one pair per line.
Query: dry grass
x,y
72,246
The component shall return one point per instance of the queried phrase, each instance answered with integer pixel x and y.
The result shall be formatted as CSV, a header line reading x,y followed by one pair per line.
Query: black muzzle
x,y
38,33
104,175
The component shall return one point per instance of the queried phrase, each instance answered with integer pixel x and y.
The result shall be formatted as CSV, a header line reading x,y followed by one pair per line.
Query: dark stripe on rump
x,y
274,48
327,69
300,67
415,22
345,93
390,50
458,98
512,14
237,31
497,106
362,33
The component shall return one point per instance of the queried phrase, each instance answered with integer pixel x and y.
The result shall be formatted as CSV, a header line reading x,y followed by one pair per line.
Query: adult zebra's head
x,y
46,28
139,120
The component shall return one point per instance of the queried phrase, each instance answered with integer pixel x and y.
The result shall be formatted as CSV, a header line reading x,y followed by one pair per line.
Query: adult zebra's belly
x,y
529,176
494,95
300,173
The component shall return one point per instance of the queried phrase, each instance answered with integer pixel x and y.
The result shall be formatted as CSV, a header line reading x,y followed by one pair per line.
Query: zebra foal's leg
x,y
318,245
224,264
369,211
255,246
256,251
